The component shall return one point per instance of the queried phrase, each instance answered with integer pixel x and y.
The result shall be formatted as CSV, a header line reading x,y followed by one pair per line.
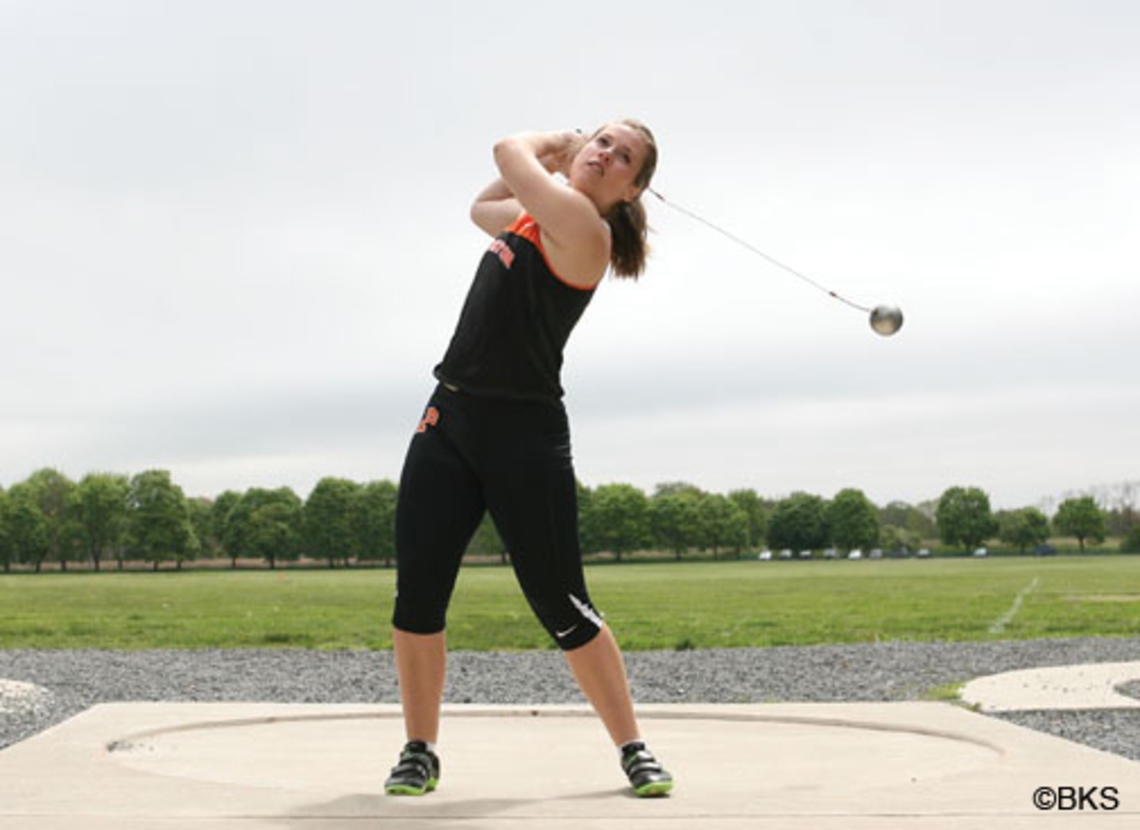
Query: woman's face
x,y
606,167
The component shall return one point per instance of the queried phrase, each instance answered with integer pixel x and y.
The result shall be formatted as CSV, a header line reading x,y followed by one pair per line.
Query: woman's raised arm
x,y
578,238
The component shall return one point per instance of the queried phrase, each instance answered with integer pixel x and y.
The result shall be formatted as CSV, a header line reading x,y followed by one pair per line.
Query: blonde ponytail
x,y
629,229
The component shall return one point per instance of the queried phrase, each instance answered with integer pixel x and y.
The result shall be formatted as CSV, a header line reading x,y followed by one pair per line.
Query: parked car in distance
x,y
980,552
805,554
855,554
786,553
923,553
765,556
831,553
876,553
1045,550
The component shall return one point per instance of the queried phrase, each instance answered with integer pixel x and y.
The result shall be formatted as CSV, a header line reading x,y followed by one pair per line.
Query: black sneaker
x,y
416,773
646,774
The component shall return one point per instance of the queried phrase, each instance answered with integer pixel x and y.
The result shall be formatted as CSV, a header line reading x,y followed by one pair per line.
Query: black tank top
x,y
515,322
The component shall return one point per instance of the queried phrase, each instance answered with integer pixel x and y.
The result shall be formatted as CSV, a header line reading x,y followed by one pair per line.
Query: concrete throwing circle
x,y
1083,686
17,697
559,756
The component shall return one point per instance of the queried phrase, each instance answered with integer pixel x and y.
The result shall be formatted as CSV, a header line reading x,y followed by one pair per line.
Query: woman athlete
x,y
495,434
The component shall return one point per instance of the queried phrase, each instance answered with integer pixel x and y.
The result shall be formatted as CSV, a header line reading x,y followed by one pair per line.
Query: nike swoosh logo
x,y
561,634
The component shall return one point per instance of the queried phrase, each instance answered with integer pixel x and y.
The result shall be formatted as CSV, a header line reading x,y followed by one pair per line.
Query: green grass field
x,y
649,606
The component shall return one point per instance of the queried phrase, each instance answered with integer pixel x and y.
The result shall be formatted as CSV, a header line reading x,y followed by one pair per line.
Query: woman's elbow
x,y
502,149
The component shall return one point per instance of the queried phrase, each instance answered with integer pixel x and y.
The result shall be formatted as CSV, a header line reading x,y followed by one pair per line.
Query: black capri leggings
x,y
471,454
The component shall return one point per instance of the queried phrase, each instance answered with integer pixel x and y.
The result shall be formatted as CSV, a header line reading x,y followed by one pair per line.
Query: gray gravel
x,y
888,671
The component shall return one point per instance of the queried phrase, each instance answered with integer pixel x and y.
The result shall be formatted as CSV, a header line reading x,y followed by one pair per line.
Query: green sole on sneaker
x,y
405,789
654,788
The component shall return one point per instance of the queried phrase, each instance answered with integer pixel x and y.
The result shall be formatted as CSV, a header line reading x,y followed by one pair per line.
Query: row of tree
x,y
147,518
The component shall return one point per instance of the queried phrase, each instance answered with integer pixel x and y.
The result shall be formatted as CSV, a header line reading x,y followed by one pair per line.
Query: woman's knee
x,y
570,620
419,617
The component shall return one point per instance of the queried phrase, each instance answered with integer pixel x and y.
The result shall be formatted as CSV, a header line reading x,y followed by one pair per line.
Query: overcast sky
x,y
234,236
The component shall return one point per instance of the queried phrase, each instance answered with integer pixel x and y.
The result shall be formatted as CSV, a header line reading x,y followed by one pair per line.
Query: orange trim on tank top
x,y
528,229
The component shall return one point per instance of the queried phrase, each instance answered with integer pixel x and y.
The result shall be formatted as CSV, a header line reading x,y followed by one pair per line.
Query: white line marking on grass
x,y
1001,622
